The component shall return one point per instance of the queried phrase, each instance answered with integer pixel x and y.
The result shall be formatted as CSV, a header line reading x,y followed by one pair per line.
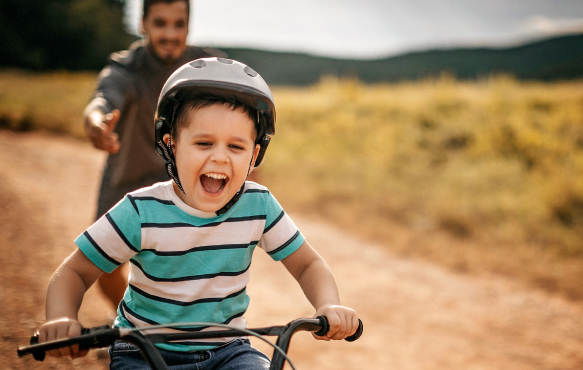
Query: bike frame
x,y
104,336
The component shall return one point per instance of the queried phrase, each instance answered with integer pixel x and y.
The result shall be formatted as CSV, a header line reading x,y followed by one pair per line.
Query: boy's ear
x,y
166,139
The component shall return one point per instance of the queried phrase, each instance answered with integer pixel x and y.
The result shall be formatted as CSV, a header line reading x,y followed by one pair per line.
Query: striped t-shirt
x,y
187,265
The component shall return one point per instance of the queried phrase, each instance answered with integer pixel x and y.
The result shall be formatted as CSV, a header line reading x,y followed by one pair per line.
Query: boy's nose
x,y
220,155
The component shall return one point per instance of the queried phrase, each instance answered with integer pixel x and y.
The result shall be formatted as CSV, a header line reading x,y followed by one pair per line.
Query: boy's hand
x,y
59,329
343,321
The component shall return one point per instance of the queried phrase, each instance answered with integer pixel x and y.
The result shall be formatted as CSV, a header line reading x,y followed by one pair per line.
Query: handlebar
x,y
103,336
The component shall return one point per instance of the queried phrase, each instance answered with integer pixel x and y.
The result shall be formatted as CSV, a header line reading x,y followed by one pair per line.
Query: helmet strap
x,y
170,164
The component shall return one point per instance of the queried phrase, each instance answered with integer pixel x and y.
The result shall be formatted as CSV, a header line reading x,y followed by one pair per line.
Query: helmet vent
x,y
198,64
225,61
250,72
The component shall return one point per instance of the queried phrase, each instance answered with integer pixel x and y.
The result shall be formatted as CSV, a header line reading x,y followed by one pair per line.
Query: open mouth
x,y
213,183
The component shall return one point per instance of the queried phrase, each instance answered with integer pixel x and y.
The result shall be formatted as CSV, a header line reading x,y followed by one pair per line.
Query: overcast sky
x,y
373,28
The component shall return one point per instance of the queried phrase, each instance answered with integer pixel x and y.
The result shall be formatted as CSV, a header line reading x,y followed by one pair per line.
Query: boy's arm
x,y
64,296
319,286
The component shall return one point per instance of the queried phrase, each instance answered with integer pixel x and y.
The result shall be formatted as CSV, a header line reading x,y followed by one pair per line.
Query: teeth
x,y
218,176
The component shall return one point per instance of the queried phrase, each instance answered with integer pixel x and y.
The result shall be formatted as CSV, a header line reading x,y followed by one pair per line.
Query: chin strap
x,y
170,164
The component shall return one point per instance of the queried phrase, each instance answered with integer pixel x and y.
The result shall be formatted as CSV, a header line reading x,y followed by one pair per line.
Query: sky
x,y
366,29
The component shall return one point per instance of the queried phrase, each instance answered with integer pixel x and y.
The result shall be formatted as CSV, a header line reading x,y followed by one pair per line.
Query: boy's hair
x,y
149,3
197,102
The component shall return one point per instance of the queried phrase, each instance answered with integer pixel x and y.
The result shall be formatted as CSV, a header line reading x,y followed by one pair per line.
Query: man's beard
x,y
166,58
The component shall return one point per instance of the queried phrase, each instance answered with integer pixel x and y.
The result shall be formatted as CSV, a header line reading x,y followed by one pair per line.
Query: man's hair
x,y
185,107
149,3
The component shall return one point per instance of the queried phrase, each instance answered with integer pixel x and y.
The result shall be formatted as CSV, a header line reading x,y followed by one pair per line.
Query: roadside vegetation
x,y
485,177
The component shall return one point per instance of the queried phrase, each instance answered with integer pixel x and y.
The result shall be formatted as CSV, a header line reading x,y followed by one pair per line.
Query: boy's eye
x,y
204,143
237,147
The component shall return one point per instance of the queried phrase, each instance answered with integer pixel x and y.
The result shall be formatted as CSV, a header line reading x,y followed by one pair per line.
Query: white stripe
x,y
253,185
109,240
278,234
185,238
192,290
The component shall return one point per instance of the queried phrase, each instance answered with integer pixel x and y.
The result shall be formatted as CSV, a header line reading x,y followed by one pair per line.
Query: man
x,y
120,117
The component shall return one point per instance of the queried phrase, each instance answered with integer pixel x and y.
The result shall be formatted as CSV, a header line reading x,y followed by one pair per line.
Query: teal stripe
x,y
252,203
289,249
94,255
152,211
272,209
195,263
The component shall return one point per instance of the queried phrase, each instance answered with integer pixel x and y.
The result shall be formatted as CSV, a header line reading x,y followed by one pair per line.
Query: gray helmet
x,y
215,77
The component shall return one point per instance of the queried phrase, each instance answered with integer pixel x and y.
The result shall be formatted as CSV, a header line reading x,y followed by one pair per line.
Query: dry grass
x,y
484,177
50,101
488,174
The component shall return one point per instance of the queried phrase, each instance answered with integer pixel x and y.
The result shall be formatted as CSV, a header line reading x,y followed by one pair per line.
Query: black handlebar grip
x,y
356,334
326,327
39,356
324,324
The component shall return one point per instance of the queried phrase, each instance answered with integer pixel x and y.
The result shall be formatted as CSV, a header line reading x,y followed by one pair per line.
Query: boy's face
x,y
165,29
213,154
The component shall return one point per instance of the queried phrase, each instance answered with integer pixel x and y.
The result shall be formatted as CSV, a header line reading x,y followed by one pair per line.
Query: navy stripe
x,y
189,278
99,249
274,222
121,235
133,203
206,344
166,226
163,201
200,249
255,191
285,244
237,315
181,303
131,312
210,224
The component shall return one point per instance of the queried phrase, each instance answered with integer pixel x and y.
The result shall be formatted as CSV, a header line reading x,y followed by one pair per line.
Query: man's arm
x,y
64,296
319,286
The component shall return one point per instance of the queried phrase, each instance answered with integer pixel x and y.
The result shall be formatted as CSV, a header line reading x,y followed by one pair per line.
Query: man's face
x,y
165,29
213,155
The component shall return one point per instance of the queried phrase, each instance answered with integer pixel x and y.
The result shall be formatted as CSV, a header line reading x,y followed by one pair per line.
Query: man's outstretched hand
x,y
100,130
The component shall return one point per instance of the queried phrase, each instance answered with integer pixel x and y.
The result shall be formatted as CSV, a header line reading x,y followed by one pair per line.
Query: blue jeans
x,y
237,355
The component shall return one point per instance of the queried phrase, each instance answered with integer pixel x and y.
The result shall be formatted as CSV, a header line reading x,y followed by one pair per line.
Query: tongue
x,y
211,185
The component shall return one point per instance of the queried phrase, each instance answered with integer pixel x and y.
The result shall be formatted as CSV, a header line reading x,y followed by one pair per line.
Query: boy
x,y
190,240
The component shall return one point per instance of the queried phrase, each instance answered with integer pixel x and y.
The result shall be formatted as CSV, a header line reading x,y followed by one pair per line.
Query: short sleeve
x,y
114,238
281,237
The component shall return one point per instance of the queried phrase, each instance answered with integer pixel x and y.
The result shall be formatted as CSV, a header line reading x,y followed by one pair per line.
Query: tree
x,y
61,34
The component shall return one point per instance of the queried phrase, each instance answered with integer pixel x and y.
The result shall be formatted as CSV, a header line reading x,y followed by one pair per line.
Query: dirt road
x,y
416,316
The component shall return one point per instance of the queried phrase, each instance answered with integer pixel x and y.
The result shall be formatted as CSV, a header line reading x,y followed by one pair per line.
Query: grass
x,y
487,174
482,177
50,101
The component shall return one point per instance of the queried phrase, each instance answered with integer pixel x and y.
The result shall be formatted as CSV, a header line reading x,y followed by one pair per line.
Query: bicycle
x,y
104,336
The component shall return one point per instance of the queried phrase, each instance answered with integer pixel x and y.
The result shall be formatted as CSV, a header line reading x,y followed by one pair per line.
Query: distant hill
x,y
551,59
